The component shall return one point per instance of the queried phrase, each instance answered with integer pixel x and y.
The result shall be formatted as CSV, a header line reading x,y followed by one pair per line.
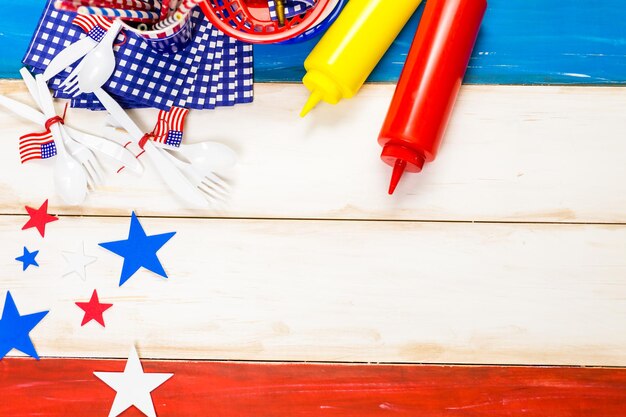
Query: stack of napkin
x,y
209,70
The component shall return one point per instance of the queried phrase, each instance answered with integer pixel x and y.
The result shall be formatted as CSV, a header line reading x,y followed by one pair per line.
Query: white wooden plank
x,y
548,154
336,291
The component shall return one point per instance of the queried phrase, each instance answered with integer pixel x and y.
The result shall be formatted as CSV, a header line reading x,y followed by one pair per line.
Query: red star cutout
x,y
39,218
94,309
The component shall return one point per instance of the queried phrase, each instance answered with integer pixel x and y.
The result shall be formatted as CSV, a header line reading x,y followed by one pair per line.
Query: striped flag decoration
x,y
37,146
169,127
88,22
95,26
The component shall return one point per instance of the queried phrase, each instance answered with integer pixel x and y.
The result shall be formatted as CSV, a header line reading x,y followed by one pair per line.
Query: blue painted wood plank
x,y
521,42
15,34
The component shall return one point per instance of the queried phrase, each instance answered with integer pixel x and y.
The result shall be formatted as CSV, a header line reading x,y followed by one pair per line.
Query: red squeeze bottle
x,y
429,84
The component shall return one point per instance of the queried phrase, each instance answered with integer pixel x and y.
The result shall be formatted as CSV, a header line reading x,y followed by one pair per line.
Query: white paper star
x,y
133,386
78,261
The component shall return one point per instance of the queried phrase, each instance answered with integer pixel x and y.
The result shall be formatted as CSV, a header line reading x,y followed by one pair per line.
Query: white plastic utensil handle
x,y
119,114
108,148
48,111
23,110
118,135
31,84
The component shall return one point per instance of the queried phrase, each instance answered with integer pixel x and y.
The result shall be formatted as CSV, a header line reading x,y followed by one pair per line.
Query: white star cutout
x,y
133,386
78,261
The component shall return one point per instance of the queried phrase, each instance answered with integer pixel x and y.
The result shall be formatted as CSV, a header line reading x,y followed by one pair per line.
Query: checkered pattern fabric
x,y
202,44
200,82
210,71
292,7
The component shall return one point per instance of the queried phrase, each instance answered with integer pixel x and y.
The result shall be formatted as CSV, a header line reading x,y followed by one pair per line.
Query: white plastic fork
x,y
72,79
86,158
214,187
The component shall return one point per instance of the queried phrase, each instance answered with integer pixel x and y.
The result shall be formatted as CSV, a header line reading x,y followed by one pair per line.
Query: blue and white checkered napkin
x,y
191,78
292,7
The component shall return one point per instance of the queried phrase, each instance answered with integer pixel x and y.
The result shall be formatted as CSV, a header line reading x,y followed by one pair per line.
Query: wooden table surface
x,y
509,249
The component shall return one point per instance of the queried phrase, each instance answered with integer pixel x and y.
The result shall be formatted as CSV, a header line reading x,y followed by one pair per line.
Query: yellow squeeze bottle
x,y
350,49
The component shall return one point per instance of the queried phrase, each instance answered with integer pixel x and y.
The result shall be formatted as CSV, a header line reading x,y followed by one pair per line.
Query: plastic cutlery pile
x,y
77,169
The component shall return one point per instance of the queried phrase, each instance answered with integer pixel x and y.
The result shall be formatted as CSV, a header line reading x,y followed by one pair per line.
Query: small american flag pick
x,y
169,127
94,26
40,145
37,146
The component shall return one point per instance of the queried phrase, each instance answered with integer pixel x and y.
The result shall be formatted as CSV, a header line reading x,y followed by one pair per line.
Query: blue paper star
x,y
28,259
15,329
139,250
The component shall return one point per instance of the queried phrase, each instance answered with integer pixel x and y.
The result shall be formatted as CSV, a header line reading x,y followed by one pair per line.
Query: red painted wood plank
x,y
67,387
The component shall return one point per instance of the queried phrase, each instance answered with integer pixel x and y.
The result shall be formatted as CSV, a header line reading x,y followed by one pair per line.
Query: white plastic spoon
x,y
99,64
70,179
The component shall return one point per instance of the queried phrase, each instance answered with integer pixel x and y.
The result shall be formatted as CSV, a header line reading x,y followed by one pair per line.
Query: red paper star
x,y
39,218
94,309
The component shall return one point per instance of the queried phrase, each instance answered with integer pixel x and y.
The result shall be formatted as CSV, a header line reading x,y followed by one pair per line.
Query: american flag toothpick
x,y
37,146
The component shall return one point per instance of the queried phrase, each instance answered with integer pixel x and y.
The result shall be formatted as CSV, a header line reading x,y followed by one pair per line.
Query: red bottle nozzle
x,y
398,170
401,158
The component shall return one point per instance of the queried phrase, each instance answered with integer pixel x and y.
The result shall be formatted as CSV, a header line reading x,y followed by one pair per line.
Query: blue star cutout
x,y
15,329
28,259
139,250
